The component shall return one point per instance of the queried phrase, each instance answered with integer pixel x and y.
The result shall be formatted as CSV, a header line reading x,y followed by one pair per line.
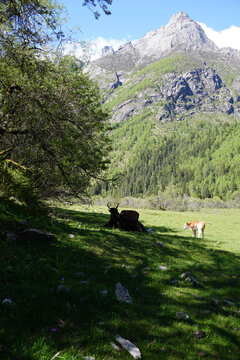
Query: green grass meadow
x,y
44,325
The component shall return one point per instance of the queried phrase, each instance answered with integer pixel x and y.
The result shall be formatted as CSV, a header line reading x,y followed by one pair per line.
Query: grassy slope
x,y
84,322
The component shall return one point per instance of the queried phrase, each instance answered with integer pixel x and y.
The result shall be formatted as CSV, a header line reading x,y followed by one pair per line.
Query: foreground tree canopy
x,y
52,125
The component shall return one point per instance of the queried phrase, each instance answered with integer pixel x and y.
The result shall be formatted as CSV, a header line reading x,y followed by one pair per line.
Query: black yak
x,y
123,221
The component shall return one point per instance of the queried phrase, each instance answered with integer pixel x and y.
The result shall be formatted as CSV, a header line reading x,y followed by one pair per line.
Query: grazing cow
x,y
124,222
194,226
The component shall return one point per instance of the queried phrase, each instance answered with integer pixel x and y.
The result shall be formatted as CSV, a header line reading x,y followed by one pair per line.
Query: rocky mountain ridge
x,y
200,78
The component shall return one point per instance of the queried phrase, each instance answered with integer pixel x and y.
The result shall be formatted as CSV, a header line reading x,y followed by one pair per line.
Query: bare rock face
x,y
181,31
190,92
107,50
124,59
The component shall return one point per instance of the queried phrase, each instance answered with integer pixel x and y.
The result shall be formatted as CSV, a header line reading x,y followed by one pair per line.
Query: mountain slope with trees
x,y
198,157
175,114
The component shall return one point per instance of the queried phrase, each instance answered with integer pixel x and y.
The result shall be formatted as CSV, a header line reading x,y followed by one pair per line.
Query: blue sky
x,y
131,19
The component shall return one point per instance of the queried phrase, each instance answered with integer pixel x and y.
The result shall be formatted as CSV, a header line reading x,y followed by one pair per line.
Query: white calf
x,y
194,226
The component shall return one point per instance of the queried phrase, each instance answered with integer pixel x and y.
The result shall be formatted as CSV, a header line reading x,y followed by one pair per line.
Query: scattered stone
x,y
122,293
182,315
116,347
88,358
199,334
8,302
103,292
162,267
185,274
190,278
161,243
230,303
215,302
71,236
61,289
130,347
201,353
84,282
150,231
197,297
146,269
193,280
37,235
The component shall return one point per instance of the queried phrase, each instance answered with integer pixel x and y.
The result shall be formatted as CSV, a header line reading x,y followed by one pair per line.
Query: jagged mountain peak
x,y
181,33
179,17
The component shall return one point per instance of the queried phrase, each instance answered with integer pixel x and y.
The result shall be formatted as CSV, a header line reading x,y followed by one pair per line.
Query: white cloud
x,y
92,49
225,38
98,44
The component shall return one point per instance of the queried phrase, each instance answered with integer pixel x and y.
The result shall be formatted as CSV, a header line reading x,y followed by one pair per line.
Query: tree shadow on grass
x,y
83,320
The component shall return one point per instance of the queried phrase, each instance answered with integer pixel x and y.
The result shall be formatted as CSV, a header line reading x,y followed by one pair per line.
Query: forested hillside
x,y
174,114
199,157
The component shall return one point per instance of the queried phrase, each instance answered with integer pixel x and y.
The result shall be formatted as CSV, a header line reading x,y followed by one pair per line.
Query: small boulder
x,y
199,334
130,347
8,302
122,293
182,315
161,243
162,267
37,235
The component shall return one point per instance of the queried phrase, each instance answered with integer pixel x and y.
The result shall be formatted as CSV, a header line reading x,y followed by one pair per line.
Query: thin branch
x,y
5,151
18,165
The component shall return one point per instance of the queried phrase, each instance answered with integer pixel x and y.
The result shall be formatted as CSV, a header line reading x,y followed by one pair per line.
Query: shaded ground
x,y
83,322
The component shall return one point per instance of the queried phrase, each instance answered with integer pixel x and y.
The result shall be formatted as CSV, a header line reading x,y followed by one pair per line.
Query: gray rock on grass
x,y
122,293
129,346
182,315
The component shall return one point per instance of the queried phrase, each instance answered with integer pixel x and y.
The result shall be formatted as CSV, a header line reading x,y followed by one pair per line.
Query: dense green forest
x,y
198,156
